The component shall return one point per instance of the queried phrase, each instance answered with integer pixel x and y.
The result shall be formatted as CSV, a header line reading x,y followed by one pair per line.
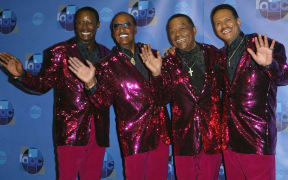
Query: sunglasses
x,y
125,25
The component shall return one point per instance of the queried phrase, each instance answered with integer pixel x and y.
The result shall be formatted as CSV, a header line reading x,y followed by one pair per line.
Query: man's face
x,y
226,26
124,31
182,34
86,27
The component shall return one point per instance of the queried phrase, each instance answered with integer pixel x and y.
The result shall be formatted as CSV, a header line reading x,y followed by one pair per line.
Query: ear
x,y
194,30
135,29
98,24
239,22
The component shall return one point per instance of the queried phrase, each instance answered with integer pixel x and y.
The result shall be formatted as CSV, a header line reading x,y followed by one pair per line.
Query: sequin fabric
x,y
250,102
73,112
141,123
196,118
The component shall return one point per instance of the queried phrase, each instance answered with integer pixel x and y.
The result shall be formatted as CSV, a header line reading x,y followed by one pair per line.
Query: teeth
x,y
226,31
180,40
86,33
123,35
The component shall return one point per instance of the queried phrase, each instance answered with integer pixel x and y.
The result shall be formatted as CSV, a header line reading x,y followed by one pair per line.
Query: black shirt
x,y
194,59
93,56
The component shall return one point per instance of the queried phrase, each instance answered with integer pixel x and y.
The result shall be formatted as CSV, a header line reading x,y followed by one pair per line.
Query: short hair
x,y
120,13
176,16
86,8
221,7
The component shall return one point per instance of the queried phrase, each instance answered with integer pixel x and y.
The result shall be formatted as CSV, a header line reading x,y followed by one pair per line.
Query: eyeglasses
x,y
125,25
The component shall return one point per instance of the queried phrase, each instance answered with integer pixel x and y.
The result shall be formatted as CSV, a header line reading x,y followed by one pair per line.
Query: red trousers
x,y
152,165
85,160
240,166
198,167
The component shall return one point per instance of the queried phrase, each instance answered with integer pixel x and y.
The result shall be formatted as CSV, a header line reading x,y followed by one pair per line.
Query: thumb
x,y
89,64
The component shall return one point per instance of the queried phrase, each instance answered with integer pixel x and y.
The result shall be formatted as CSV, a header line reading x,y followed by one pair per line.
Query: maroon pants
x,y
198,167
85,160
240,166
152,165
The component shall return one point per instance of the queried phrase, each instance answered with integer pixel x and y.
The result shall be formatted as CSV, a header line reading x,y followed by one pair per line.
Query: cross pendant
x,y
132,60
190,71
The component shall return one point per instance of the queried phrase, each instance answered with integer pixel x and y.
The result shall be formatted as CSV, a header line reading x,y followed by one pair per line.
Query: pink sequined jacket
x,y
250,102
141,123
73,112
196,122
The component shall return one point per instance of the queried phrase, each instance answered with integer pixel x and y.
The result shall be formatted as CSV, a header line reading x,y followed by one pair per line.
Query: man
x,y
249,97
189,81
124,81
76,119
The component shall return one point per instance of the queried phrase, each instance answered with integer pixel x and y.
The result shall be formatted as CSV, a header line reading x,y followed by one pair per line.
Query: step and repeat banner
x,y
29,27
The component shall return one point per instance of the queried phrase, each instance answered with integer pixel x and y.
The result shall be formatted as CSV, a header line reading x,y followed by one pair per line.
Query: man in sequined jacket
x,y
124,82
249,97
188,80
81,130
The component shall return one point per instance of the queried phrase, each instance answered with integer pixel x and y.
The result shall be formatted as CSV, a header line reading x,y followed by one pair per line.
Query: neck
x,y
130,47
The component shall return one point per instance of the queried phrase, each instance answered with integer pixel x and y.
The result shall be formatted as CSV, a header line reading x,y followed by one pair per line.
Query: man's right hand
x,y
12,64
153,63
83,72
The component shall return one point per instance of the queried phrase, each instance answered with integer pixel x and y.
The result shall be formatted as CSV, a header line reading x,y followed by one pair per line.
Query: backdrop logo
x,y
221,172
6,112
65,17
106,14
108,166
31,160
33,63
142,10
182,7
3,157
38,18
273,9
8,21
35,112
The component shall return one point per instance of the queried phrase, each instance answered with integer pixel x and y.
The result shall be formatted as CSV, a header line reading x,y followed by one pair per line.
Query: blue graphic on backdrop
x,y
3,157
182,7
32,160
65,17
221,173
8,21
6,112
33,63
171,172
106,14
108,165
273,10
35,112
143,11
38,18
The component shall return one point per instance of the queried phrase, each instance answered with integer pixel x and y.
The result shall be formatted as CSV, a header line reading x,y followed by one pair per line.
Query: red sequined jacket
x,y
73,112
196,122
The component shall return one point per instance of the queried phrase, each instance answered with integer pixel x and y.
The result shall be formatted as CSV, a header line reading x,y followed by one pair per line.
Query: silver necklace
x,y
132,60
229,59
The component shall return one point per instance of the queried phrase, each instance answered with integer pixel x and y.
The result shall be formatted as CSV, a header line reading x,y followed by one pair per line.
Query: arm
x,y
100,89
39,84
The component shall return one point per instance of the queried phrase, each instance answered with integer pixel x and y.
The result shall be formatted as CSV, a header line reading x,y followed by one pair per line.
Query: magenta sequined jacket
x,y
73,112
196,122
141,123
250,102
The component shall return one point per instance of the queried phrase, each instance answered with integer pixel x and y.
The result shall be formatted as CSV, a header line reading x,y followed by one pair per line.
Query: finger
x,y
77,62
272,45
91,66
158,54
257,43
72,63
150,51
266,44
4,58
73,69
251,52
261,43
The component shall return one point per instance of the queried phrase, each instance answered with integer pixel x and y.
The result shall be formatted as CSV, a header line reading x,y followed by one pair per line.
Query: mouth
x,y
86,33
123,35
226,31
180,40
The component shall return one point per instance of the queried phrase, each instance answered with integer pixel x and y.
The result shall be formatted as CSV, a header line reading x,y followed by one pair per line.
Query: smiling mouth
x,y
180,40
123,35
227,30
85,33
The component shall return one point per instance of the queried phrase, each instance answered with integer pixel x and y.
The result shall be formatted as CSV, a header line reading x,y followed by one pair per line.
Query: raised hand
x,y
264,53
83,72
153,63
12,64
